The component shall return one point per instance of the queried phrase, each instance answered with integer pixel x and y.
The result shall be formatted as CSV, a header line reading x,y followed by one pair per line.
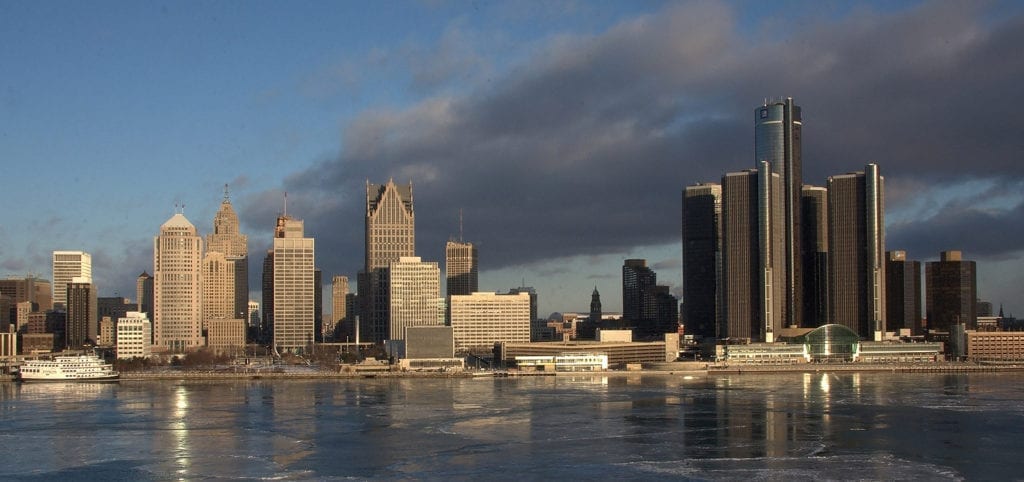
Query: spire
x,y
226,199
1000,310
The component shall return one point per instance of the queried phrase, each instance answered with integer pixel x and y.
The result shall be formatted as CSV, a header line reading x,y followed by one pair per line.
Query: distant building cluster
x,y
767,261
763,252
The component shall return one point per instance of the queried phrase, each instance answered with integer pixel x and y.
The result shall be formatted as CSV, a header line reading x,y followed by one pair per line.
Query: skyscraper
x,y
638,282
294,286
951,292
814,215
226,238
390,235
66,266
460,268
144,296
480,320
778,129
339,307
752,246
595,307
856,246
267,296
702,259
177,286
902,292
218,288
82,321
414,295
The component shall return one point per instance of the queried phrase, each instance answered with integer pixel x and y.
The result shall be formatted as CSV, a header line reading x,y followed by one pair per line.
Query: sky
x,y
564,131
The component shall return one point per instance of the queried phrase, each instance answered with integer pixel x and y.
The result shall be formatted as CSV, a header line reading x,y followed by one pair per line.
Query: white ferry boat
x,y
80,368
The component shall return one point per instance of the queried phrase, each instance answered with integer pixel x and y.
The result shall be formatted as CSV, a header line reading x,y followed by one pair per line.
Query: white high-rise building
x,y
414,294
294,288
68,265
133,335
479,320
177,286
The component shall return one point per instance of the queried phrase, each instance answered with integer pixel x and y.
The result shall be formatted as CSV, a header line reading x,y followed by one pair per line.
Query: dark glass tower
x,y
638,283
951,292
814,212
902,292
777,140
702,259
856,247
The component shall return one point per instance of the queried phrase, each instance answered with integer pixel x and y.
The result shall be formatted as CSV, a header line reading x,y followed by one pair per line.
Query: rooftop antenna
x,y
226,192
460,225
286,203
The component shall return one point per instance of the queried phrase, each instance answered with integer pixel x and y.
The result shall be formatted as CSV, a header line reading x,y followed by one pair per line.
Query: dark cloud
x,y
585,147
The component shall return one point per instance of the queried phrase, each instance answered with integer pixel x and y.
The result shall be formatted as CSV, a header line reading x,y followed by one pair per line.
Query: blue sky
x,y
564,130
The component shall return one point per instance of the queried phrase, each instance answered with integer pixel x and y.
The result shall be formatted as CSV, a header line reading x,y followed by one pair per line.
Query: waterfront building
x,y
218,287
951,292
177,286
68,265
294,299
414,295
82,322
133,336
144,294
830,343
226,336
390,236
619,353
228,240
856,237
702,259
752,284
481,319
538,327
814,243
1002,346
778,127
903,293
339,305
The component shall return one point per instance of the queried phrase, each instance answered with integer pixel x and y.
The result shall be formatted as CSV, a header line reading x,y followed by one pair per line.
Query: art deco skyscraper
x,y
177,286
294,286
226,238
68,265
814,215
951,292
702,259
752,245
390,235
903,292
856,246
218,288
778,129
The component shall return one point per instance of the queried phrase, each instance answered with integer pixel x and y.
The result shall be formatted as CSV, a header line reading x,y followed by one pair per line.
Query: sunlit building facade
x,y
68,265
177,286
390,236
293,288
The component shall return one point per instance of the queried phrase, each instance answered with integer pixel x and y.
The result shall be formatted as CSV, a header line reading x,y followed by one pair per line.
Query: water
x,y
737,427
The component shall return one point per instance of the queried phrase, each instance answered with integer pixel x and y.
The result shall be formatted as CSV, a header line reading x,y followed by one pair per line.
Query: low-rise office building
x,y
995,345
619,353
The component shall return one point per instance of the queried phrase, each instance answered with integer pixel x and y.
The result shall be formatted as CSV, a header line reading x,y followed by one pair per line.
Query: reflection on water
x,y
634,426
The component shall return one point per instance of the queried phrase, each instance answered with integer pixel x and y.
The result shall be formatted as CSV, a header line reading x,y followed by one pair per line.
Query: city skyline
x,y
564,132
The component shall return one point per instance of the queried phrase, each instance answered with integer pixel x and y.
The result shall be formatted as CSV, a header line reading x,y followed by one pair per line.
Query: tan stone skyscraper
x,y
414,295
390,235
226,238
294,291
177,286
339,293
218,288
